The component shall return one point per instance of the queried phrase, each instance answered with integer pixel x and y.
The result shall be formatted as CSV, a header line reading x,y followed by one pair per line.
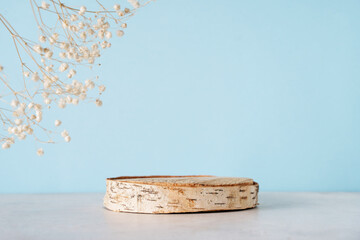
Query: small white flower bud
x,y
108,34
14,103
134,3
98,102
35,77
37,48
64,133
47,101
22,136
102,88
40,152
120,33
124,25
67,138
68,99
6,145
47,84
57,123
72,72
83,35
49,54
18,121
63,67
30,131
42,39
62,103
75,101
31,105
45,5
116,7
62,55
73,17
55,36
82,96
82,10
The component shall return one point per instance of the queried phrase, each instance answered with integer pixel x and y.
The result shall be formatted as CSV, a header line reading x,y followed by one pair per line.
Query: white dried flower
x,y
45,5
75,101
68,99
21,136
67,138
38,118
74,17
101,34
35,77
82,96
81,25
14,103
62,55
82,10
30,131
30,105
89,84
40,152
102,88
98,102
37,48
120,13
48,69
63,67
26,74
134,3
18,121
6,145
116,7
57,123
52,41
55,36
42,39
120,33
83,35
45,94
91,31
108,34
64,46
61,103
124,25
47,101
72,72
47,84
104,44
64,133
49,54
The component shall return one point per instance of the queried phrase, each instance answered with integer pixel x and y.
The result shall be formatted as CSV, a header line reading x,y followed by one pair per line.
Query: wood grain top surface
x,y
202,180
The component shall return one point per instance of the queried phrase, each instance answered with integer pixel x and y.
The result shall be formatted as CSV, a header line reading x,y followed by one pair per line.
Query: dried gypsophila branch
x,y
75,40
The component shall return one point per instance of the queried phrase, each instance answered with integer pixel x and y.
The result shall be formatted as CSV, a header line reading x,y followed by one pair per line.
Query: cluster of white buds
x,y
75,41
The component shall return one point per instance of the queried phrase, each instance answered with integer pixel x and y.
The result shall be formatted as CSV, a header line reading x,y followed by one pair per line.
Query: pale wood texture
x,y
180,194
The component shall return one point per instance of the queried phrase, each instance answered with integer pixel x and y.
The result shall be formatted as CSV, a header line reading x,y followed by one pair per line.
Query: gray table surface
x,y
279,216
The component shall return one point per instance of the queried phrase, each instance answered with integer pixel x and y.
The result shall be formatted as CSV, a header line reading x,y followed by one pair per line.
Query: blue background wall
x,y
262,89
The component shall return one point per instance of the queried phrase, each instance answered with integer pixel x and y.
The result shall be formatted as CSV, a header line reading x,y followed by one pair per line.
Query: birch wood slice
x,y
179,194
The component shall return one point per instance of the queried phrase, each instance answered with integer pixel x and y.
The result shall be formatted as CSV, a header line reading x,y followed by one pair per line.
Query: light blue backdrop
x,y
261,89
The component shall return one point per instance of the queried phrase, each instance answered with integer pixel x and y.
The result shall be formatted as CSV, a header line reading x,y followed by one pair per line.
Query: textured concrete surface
x,y
279,216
